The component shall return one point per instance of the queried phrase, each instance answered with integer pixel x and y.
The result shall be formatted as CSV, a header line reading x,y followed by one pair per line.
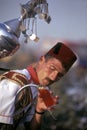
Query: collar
x,y
33,74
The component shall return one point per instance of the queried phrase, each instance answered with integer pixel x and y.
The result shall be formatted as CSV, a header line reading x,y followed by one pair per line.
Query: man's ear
x,y
42,59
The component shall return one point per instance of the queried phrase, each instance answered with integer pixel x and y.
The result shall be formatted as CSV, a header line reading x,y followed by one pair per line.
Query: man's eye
x,y
52,68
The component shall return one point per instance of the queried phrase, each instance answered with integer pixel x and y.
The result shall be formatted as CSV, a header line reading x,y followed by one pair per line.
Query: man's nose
x,y
53,76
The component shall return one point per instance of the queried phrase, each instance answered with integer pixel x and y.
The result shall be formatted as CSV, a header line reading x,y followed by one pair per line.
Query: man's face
x,y
49,71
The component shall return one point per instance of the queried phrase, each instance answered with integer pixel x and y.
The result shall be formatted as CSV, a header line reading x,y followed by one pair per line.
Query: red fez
x,y
64,54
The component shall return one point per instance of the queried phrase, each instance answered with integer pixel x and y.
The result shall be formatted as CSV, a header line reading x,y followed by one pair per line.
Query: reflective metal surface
x,y
8,41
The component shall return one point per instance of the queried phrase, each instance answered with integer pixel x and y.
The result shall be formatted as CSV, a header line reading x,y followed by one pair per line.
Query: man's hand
x,y
46,100
41,107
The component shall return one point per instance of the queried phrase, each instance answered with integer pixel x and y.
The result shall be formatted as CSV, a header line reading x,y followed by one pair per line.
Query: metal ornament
x,y
10,30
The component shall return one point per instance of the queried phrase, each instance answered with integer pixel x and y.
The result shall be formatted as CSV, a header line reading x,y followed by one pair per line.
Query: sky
x,y
69,18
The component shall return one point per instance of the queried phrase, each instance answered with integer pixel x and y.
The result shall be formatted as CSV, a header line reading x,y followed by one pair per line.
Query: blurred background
x,y
69,24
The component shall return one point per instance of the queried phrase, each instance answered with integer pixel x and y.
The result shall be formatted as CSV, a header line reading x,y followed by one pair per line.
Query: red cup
x,y
48,98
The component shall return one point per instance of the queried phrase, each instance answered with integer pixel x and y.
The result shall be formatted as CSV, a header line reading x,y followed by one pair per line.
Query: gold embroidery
x,y
14,77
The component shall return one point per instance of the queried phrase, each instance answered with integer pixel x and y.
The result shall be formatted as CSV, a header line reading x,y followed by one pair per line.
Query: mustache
x,y
49,80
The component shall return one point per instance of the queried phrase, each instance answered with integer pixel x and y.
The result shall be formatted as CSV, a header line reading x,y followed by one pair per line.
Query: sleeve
x,y
8,90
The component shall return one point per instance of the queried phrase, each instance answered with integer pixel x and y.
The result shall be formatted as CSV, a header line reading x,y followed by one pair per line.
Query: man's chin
x,y
45,83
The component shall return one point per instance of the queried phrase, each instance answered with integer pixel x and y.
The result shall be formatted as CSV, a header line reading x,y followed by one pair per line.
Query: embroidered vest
x,y
23,98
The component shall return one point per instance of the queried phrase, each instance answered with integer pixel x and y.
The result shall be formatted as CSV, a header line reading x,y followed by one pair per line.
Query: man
x,y
17,103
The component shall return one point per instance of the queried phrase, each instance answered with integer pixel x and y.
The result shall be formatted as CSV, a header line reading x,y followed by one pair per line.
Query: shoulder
x,y
16,76
24,72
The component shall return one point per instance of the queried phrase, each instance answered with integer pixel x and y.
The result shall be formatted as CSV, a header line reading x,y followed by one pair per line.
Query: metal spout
x,y
9,43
